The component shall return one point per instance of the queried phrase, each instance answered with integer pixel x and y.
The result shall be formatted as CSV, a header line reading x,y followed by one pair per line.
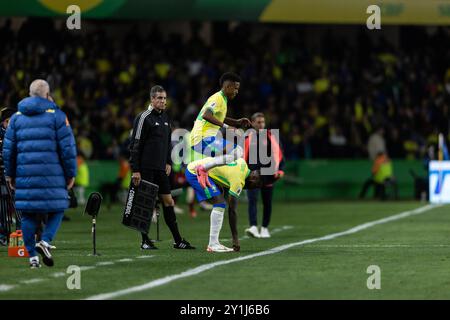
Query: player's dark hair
x,y
229,76
155,89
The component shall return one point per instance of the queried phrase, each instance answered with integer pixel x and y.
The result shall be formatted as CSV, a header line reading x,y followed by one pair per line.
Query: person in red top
x,y
269,142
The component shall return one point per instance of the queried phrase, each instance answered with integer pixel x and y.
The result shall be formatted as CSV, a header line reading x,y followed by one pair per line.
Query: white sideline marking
x,y
104,263
5,287
85,268
125,260
379,246
36,280
205,267
58,274
276,230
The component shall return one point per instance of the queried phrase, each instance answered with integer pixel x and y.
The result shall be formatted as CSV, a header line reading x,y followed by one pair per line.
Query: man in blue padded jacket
x,y
39,155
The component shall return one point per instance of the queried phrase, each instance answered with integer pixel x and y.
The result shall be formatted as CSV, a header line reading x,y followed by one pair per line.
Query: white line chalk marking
x,y
209,266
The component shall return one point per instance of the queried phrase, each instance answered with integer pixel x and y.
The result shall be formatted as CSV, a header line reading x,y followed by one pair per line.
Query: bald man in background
x,y
39,154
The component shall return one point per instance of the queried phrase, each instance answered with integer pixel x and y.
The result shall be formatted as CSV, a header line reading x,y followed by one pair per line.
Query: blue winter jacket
x,y
39,152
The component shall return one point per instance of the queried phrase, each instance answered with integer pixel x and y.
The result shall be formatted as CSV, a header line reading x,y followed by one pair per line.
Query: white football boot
x,y
264,233
253,232
218,248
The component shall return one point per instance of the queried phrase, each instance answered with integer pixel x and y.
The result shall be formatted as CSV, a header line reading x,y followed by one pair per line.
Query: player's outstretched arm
x,y
238,123
209,116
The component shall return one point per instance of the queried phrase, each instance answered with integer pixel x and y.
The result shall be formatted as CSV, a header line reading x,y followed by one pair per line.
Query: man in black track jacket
x,y
150,160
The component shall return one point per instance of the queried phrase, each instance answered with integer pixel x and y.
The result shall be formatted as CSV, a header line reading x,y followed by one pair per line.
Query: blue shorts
x,y
210,146
202,194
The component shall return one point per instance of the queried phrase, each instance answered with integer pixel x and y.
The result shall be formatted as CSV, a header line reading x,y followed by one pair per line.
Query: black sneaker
x,y
148,245
183,244
43,249
34,263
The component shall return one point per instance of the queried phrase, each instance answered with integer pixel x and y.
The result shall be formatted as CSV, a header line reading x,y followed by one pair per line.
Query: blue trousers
x,y
30,224
209,146
252,195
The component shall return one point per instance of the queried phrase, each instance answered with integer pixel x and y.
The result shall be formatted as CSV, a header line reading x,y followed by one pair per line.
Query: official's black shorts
x,y
158,177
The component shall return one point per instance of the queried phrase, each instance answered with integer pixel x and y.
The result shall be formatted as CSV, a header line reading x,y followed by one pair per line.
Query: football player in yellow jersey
x,y
213,116
208,179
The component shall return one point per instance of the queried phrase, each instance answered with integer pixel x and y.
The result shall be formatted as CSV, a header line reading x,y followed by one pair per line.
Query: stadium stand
x,y
329,97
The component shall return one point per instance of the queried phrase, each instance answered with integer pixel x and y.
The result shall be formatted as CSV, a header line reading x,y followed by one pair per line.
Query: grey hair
x,y
39,88
257,115
155,89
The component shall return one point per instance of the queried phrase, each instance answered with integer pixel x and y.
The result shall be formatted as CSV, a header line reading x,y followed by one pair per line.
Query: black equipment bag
x,y
8,212
139,206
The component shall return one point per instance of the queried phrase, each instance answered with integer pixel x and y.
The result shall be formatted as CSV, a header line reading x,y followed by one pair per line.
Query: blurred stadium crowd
x,y
326,100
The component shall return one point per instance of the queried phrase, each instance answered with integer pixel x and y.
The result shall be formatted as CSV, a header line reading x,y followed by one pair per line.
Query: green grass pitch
x,y
413,254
